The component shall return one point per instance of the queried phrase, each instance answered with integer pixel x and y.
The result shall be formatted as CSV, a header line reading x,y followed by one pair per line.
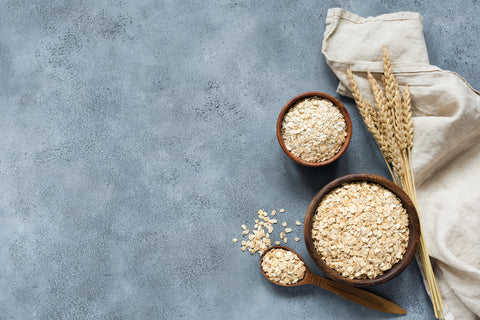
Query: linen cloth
x,y
446,151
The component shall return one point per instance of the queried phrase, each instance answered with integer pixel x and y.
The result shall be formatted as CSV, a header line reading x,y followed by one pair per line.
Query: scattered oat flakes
x,y
282,210
314,129
298,223
285,239
234,239
259,239
277,242
283,266
284,224
288,230
282,235
360,229
297,239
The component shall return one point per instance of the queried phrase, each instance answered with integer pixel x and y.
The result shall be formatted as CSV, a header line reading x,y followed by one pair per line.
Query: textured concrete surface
x,y
136,137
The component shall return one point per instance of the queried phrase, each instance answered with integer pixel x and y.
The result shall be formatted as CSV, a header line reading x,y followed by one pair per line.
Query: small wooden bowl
x,y
342,109
413,226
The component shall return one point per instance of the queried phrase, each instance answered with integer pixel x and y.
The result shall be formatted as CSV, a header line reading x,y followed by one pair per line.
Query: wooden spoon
x,y
356,295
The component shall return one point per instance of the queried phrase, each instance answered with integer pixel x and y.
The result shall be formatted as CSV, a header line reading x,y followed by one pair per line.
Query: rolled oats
x,y
283,266
259,239
360,229
314,129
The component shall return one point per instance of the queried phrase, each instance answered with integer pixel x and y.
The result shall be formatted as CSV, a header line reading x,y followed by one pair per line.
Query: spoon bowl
x,y
356,295
301,282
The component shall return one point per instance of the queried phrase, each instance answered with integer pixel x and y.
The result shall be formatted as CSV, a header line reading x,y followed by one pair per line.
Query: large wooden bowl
x,y
413,225
291,103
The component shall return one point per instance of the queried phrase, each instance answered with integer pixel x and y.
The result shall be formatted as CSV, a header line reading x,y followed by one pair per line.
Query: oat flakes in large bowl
x,y
361,230
314,129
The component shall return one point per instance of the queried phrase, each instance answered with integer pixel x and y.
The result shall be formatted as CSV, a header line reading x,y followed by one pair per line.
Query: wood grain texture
x,y
342,109
413,225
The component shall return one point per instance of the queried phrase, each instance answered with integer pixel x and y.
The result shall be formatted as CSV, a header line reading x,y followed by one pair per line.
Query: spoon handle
x,y
356,295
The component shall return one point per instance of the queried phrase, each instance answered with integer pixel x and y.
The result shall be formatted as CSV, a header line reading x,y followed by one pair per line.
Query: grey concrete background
x,y
136,137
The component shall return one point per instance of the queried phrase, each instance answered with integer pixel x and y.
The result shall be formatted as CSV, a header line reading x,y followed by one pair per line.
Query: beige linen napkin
x,y
446,152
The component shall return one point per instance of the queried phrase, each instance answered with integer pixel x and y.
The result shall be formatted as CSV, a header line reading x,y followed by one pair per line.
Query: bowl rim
x,y
413,225
342,109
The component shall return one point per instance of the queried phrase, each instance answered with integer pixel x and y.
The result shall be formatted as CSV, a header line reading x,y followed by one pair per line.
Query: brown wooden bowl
x,y
342,109
413,225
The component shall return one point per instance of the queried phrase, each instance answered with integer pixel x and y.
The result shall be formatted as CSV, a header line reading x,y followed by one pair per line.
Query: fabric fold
x,y
446,152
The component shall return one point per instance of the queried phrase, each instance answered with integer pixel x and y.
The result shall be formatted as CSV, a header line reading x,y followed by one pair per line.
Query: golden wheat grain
x,y
407,109
393,116
366,110
392,92
368,113
400,125
385,123
378,94
398,117
370,118
382,114
394,98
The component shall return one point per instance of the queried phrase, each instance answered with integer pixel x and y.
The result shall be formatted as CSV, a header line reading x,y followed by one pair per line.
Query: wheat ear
x,y
385,123
392,92
407,109
370,118
393,113
367,112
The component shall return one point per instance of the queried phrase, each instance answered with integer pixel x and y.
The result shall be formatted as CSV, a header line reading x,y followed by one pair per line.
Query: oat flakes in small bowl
x,y
314,129
361,230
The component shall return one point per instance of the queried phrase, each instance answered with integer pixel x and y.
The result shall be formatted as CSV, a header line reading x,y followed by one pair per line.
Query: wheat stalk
x,y
409,187
392,128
